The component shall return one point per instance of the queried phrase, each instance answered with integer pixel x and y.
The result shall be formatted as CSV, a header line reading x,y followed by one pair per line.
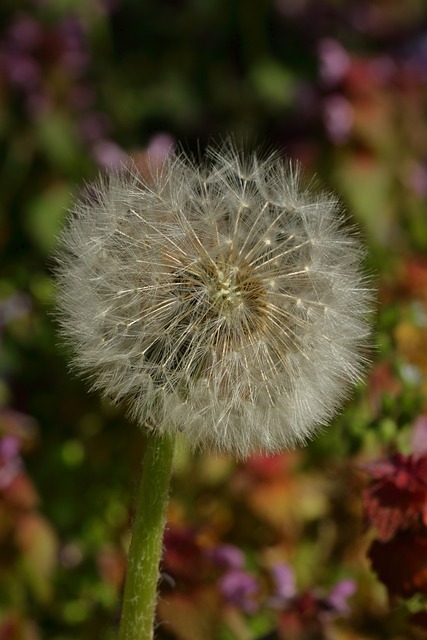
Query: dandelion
x,y
223,301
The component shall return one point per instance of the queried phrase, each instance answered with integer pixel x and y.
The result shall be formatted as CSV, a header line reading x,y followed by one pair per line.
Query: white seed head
x,y
224,301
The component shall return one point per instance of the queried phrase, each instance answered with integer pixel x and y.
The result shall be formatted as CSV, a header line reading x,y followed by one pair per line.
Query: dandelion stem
x,y
140,594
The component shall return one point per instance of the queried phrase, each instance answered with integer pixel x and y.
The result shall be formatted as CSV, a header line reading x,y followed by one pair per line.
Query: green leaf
x,y
45,215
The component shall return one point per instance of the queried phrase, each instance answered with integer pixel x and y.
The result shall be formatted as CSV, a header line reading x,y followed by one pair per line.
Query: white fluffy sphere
x,y
224,301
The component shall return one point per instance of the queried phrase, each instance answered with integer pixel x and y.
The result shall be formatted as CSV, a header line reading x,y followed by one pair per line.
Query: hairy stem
x,y
140,594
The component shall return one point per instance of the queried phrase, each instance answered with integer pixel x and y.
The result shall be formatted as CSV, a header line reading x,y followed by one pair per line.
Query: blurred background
x,y
329,542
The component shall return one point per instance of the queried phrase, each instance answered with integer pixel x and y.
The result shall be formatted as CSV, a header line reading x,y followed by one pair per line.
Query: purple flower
x,y
24,32
94,126
419,436
334,61
22,70
228,556
337,598
311,603
415,56
338,117
239,589
9,448
159,146
74,56
107,153
10,460
418,179
284,580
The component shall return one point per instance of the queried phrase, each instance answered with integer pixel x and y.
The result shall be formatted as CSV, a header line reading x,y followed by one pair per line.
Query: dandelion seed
x,y
224,301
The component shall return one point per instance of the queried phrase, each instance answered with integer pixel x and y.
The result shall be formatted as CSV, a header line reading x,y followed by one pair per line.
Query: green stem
x,y
140,594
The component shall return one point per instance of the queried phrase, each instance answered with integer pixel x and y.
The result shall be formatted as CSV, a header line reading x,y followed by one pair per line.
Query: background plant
x,y
342,87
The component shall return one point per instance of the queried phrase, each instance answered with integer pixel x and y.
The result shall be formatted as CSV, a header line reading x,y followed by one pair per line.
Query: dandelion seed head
x,y
225,300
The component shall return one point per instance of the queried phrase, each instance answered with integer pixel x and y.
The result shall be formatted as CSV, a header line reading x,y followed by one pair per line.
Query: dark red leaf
x,y
397,497
401,563
185,560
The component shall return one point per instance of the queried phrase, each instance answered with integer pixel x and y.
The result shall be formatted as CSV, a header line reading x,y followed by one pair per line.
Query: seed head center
x,y
226,289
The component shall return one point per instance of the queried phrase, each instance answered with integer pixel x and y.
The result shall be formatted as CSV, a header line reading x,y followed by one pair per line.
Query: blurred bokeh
x,y
325,543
